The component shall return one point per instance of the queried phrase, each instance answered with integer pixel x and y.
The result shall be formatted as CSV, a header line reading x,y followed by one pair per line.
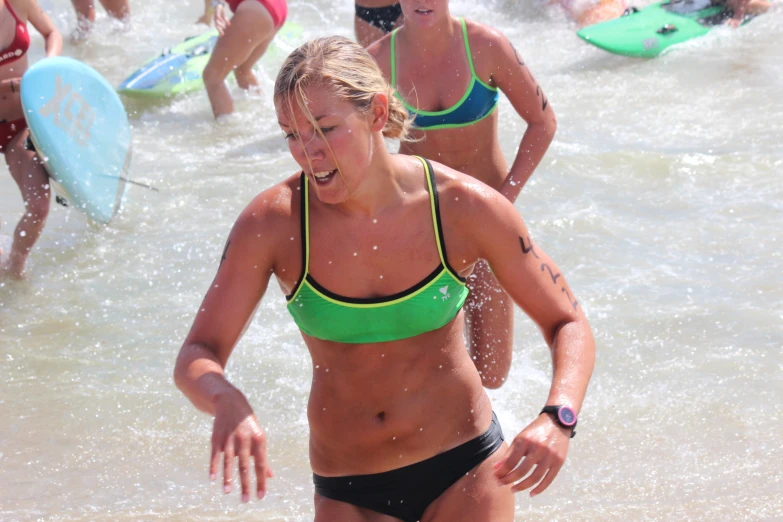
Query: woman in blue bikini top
x,y
448,71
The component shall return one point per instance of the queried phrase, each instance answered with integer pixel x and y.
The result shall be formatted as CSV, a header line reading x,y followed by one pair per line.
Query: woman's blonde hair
x,y
348,70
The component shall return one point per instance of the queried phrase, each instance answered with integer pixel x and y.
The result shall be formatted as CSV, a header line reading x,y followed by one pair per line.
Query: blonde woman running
x,y
400,425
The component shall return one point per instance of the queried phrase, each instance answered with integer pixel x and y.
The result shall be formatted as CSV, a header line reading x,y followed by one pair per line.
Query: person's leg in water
x,y
371,23
245,40
30,175
489,316
85,13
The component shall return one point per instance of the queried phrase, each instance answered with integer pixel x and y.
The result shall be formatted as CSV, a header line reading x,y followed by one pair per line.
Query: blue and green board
x,y
178,70
647,32
81,131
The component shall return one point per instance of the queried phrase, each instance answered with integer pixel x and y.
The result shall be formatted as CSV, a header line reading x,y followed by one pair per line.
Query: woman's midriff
x,y
473,150
377,407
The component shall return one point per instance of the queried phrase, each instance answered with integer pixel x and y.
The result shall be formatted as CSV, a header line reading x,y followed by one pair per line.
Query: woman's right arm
x,y
43,24
242,278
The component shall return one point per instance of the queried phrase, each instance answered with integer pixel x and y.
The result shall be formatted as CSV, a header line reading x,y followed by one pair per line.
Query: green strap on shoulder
x,y
394,59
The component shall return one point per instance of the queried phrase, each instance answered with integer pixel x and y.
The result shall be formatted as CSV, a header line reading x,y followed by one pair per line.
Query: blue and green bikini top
x,y
426,306
478,102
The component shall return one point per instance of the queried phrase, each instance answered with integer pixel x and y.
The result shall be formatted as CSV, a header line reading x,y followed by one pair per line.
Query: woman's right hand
x,y
236,433
221,22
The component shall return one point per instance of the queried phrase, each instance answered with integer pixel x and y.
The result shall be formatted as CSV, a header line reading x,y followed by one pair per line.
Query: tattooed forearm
x,y
531,248
225,250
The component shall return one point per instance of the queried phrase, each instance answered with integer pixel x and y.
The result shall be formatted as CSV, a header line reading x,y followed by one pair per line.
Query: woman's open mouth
x,y
324,177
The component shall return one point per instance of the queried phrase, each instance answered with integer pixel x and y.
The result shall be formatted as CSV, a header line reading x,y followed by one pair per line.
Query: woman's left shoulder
x,y
482,35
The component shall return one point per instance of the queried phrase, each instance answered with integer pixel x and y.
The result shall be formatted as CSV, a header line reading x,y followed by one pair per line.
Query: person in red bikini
x,y
243,41
23,164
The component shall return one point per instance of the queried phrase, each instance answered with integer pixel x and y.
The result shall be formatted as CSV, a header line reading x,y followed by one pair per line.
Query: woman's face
x,y
423,13
346,142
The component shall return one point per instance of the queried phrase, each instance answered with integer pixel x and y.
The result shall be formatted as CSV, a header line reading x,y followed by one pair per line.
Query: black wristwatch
x,y
564,416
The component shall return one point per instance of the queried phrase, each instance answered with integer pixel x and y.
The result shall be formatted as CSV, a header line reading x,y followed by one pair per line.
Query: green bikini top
x,y
427,306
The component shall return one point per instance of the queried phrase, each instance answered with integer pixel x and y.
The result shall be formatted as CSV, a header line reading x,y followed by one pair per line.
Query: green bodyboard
x,y
649,31
178,70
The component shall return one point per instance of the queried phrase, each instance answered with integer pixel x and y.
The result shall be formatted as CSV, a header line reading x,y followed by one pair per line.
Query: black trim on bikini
x,y
303,233
438,224
376,300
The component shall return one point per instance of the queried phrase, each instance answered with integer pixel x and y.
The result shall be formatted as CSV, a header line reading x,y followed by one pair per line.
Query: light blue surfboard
x,y
80,129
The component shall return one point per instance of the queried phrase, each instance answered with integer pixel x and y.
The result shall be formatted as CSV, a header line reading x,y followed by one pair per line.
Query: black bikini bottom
x,y
383,18
406,492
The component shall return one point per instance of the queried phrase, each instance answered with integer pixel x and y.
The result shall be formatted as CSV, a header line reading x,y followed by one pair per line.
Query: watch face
x,y
566,416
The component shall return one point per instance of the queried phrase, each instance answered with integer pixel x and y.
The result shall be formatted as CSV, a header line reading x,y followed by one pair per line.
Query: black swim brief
x,y
384,18
406,492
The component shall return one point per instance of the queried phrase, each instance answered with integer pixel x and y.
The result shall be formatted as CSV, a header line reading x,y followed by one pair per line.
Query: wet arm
x,y
539,287
527,97
225,312
43,24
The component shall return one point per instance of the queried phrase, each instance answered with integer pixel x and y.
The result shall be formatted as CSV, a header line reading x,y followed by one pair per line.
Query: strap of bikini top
x,y
11,10
436,221
394,58
304,213
467,47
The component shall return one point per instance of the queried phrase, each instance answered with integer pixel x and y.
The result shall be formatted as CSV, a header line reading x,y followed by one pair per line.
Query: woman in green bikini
x,y
400,425
448,71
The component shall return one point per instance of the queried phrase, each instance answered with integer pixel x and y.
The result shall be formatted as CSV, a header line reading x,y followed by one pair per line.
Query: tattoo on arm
x,y
225,250
539,92
531,248
516,55
554,277
544,101
573,301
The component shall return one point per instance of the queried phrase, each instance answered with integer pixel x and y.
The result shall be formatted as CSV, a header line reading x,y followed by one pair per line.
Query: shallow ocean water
x,y
660,198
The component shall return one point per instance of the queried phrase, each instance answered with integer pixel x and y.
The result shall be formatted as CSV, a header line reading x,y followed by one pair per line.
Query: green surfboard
x,y
178,70
647,32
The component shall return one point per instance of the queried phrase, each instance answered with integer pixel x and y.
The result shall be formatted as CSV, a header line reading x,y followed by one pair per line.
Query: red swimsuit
x,y
17,49
277,8
19,45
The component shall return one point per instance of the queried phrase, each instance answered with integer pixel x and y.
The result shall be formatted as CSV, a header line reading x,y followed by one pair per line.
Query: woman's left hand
x,y
541,448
